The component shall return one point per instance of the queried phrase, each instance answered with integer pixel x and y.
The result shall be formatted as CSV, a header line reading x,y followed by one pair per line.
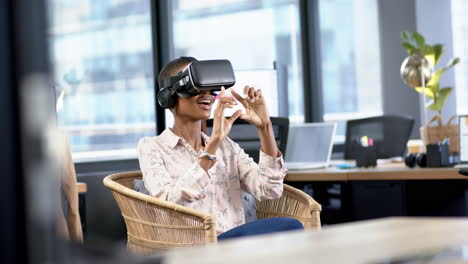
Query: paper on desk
x,y
390,160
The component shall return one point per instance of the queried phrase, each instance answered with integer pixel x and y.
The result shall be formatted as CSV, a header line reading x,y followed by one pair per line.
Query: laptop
x,y
309,145
463,134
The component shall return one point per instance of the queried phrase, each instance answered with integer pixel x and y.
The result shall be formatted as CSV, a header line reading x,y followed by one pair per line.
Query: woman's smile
x,y
205,102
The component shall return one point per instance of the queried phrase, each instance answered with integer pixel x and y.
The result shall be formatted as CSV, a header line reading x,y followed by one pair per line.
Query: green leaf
x,y
408,47
435,77
428,92
434,88
433,107
431,58
427,50
442,96
405,35
419,40
438,51
452,63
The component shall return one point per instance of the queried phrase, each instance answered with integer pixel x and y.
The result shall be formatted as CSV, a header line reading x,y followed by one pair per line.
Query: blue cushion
x,y
139,186
250,207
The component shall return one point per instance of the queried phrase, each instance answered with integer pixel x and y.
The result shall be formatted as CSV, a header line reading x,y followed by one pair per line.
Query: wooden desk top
x,y
390,171
359,242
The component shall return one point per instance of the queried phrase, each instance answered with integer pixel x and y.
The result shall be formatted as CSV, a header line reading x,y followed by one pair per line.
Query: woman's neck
x,y
190,131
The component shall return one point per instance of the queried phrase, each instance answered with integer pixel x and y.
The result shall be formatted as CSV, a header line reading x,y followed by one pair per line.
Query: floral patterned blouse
x,y
171,172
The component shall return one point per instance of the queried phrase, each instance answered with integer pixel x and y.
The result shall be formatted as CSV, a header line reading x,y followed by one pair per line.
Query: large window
x,y
460,47
102,59
261,39
349,41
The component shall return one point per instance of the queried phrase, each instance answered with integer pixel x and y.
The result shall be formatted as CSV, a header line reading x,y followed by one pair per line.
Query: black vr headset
x,y
199,76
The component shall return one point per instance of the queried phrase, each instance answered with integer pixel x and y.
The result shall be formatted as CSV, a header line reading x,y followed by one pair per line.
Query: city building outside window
x,y
350,55
260,38
102,68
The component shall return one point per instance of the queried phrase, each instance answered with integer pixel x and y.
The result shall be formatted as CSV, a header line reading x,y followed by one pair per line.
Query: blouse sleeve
x,y
265,179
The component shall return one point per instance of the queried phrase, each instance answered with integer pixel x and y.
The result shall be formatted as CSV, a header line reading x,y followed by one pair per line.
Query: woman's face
x,y
196,107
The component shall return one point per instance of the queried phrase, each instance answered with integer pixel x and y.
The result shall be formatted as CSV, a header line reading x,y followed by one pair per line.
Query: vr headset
x,y
199,76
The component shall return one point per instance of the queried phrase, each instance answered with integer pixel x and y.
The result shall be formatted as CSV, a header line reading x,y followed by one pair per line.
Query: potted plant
x,y
429,55
415,43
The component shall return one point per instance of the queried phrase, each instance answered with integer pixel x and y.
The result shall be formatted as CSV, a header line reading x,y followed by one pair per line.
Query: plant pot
x,y
436,134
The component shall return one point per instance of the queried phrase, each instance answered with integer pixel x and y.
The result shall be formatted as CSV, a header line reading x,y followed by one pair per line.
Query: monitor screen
x,y
463,132
310,142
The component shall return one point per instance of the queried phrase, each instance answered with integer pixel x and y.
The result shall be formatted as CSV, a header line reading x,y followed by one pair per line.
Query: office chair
x,y
246,135
390,134
154,224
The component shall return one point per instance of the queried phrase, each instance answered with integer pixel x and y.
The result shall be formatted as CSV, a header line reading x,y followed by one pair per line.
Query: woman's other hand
x,y
256,112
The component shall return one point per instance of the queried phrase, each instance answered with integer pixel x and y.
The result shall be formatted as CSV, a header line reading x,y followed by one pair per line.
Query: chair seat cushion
x,y
139,186
250,207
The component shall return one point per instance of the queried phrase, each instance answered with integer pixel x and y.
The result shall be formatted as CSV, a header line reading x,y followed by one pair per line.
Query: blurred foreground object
x,y
68,222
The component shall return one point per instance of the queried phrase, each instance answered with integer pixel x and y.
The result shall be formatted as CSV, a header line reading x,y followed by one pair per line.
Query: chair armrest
x,y
293,203
154,224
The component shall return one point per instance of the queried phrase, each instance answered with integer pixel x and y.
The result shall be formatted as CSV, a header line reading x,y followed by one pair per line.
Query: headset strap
x,y
168,82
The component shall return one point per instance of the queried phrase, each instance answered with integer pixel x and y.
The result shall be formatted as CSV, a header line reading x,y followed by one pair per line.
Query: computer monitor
x,y
463,133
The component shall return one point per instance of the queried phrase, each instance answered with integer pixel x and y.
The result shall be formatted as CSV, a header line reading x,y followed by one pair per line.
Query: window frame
x,y
310,34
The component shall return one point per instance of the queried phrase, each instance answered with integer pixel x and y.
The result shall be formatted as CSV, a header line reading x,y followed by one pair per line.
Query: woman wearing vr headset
x,y
185,166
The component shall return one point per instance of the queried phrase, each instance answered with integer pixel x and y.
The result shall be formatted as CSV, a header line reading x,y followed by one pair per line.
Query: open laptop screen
x,y
311,142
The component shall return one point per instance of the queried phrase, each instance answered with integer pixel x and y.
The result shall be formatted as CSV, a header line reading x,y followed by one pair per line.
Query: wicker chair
x,y
154,224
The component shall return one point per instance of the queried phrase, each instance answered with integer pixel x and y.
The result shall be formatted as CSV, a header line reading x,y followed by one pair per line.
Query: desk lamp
x,y
416,71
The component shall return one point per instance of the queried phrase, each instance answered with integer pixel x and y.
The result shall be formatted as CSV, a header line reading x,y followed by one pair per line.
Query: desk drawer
x,y
374,199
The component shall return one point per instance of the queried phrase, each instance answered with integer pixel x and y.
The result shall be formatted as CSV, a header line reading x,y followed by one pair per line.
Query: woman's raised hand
x,y
256,112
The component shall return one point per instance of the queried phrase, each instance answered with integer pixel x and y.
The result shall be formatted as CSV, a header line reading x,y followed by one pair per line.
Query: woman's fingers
x,y
227,105
251,94
234,117
246,90
218,111
258,94
224,103
223,91
239,98
229,100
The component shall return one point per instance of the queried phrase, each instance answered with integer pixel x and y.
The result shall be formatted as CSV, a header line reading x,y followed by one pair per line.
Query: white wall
x,y
434,22
396,16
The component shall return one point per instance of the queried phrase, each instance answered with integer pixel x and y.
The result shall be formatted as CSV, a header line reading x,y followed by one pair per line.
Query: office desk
x,y
360,242
390,189
390,171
